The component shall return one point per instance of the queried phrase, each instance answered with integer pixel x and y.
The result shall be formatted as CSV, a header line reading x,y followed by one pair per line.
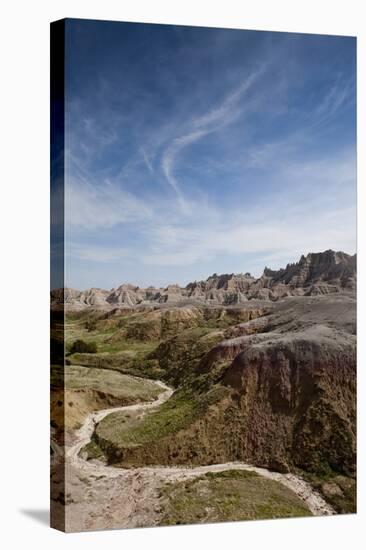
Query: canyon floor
x,y
192,414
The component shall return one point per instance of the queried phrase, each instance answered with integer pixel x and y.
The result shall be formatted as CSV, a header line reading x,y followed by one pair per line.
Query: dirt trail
x,y
117,497
84,434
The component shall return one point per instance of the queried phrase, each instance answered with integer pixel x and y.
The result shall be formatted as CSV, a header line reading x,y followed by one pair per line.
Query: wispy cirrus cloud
x,y
169,158
275,239
339,95
211,121
271,233
92,207
178,165
231,106
147,160
293,222
98,254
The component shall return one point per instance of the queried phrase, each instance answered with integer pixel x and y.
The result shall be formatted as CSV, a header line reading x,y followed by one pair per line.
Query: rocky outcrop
x,y
295,401
331,267
320,273
76,299
287,394
125,295
162,323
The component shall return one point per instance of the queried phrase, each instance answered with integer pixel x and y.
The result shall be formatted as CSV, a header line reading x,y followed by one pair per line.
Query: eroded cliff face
x,y
286,395
315,274
294,401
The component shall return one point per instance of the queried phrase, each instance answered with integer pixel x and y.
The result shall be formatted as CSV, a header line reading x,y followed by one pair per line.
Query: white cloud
x,y
288,238
201,126
146,160
99,254
101,206
311,206
296,221
169,158
229,109
339,95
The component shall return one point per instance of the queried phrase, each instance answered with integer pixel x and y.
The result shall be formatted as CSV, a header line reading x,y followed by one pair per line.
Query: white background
x,y
24,218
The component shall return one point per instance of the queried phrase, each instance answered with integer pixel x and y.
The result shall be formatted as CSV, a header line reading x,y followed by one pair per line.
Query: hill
x,y
320,273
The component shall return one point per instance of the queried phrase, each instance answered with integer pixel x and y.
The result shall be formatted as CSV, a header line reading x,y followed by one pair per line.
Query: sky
x,y
190,151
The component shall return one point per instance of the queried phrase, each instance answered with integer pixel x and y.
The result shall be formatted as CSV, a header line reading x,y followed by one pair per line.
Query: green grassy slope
x,y
228,496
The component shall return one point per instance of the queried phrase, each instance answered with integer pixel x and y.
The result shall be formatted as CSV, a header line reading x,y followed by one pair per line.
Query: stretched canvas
x,y
203,273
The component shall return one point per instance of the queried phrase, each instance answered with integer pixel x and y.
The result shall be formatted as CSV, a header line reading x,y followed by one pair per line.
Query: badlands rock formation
x,y
277,391
315,274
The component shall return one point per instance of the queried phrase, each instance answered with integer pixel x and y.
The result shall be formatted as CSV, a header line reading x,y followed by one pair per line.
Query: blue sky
x,y
191,151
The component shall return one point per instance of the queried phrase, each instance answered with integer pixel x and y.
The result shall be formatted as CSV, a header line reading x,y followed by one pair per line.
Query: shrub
x,y
79,346
91,325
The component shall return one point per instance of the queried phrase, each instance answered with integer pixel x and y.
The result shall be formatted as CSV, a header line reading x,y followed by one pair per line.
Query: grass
x,y
109,338
338,490
115,383
93,450
179,356
119,385
131,362
90,389
233,495
80,346
126,350
173,359
173,349
76,329
175,414
176,347
171,417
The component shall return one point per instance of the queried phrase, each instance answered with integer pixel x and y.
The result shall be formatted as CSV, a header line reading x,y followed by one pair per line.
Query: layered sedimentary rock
x,y
315,274
283,389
